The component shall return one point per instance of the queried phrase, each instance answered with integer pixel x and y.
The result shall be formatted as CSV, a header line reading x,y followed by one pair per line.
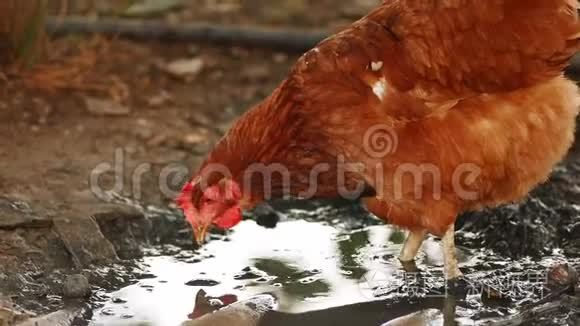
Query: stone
x,y
76,286
147,8
561,276
65,317
10,314
202,282
85,242
104,107
16,214
185,69
257,72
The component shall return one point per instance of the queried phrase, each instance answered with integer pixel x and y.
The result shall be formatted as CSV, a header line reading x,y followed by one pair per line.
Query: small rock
x,y
147,8
249,273
108,312
280,57
197,142
85,241
202,282
105,107
145,276
199,118
119,300
185,69
256,72
157,140
193,139
193,261
66,316
561,276
159,100
247,276
76,286
574,319
144,133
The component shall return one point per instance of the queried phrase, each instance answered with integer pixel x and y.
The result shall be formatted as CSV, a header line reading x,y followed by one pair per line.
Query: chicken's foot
x,y
457,284
451,266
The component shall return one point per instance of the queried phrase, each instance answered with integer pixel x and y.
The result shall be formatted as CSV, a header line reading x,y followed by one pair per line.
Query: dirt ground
x,y
50,142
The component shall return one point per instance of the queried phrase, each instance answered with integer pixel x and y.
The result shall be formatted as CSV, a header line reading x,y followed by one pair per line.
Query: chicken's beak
x,y
199,234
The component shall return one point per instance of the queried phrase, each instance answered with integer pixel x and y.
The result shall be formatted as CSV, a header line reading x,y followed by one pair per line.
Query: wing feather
x,y
441,51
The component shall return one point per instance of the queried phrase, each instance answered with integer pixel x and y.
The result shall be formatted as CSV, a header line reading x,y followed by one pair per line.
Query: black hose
x,y
279,40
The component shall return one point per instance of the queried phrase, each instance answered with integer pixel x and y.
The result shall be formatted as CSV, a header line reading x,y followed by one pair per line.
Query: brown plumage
x,y
471,94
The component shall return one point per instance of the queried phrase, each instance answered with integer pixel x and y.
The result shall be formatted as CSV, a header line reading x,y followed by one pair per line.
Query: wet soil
x,y
344,269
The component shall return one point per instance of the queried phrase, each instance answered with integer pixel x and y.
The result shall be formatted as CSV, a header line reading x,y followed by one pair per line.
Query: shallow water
x,y
309,265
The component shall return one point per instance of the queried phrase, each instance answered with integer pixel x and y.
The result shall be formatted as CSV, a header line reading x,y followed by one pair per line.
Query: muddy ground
x,y
83,186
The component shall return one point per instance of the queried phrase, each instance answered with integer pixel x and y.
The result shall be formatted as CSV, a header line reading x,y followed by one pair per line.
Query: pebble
x,y
247,276
103,107
119,300
145,276
562,275
193,261
184,68
159,100
76,286
202,282
108,312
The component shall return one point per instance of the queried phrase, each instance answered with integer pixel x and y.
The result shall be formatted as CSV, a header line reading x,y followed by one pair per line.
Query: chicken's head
x,y
215,205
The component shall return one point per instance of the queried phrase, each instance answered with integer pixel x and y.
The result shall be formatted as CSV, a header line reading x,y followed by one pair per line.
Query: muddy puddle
x,y
331,261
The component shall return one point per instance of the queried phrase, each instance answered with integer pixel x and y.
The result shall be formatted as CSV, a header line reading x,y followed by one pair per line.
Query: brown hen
x,y
424,108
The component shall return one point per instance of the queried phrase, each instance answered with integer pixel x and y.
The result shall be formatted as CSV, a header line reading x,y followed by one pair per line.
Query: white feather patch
x,y
380,88
376,66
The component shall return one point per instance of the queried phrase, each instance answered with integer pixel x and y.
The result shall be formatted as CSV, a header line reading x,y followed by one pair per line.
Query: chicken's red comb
x,y
184,201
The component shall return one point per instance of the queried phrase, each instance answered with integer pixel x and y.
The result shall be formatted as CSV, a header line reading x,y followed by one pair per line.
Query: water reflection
x,y
301,261
308,266
349,249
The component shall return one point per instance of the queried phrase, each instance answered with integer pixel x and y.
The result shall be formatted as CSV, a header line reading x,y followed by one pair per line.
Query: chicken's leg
x,y
451,266
412,245
410,249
